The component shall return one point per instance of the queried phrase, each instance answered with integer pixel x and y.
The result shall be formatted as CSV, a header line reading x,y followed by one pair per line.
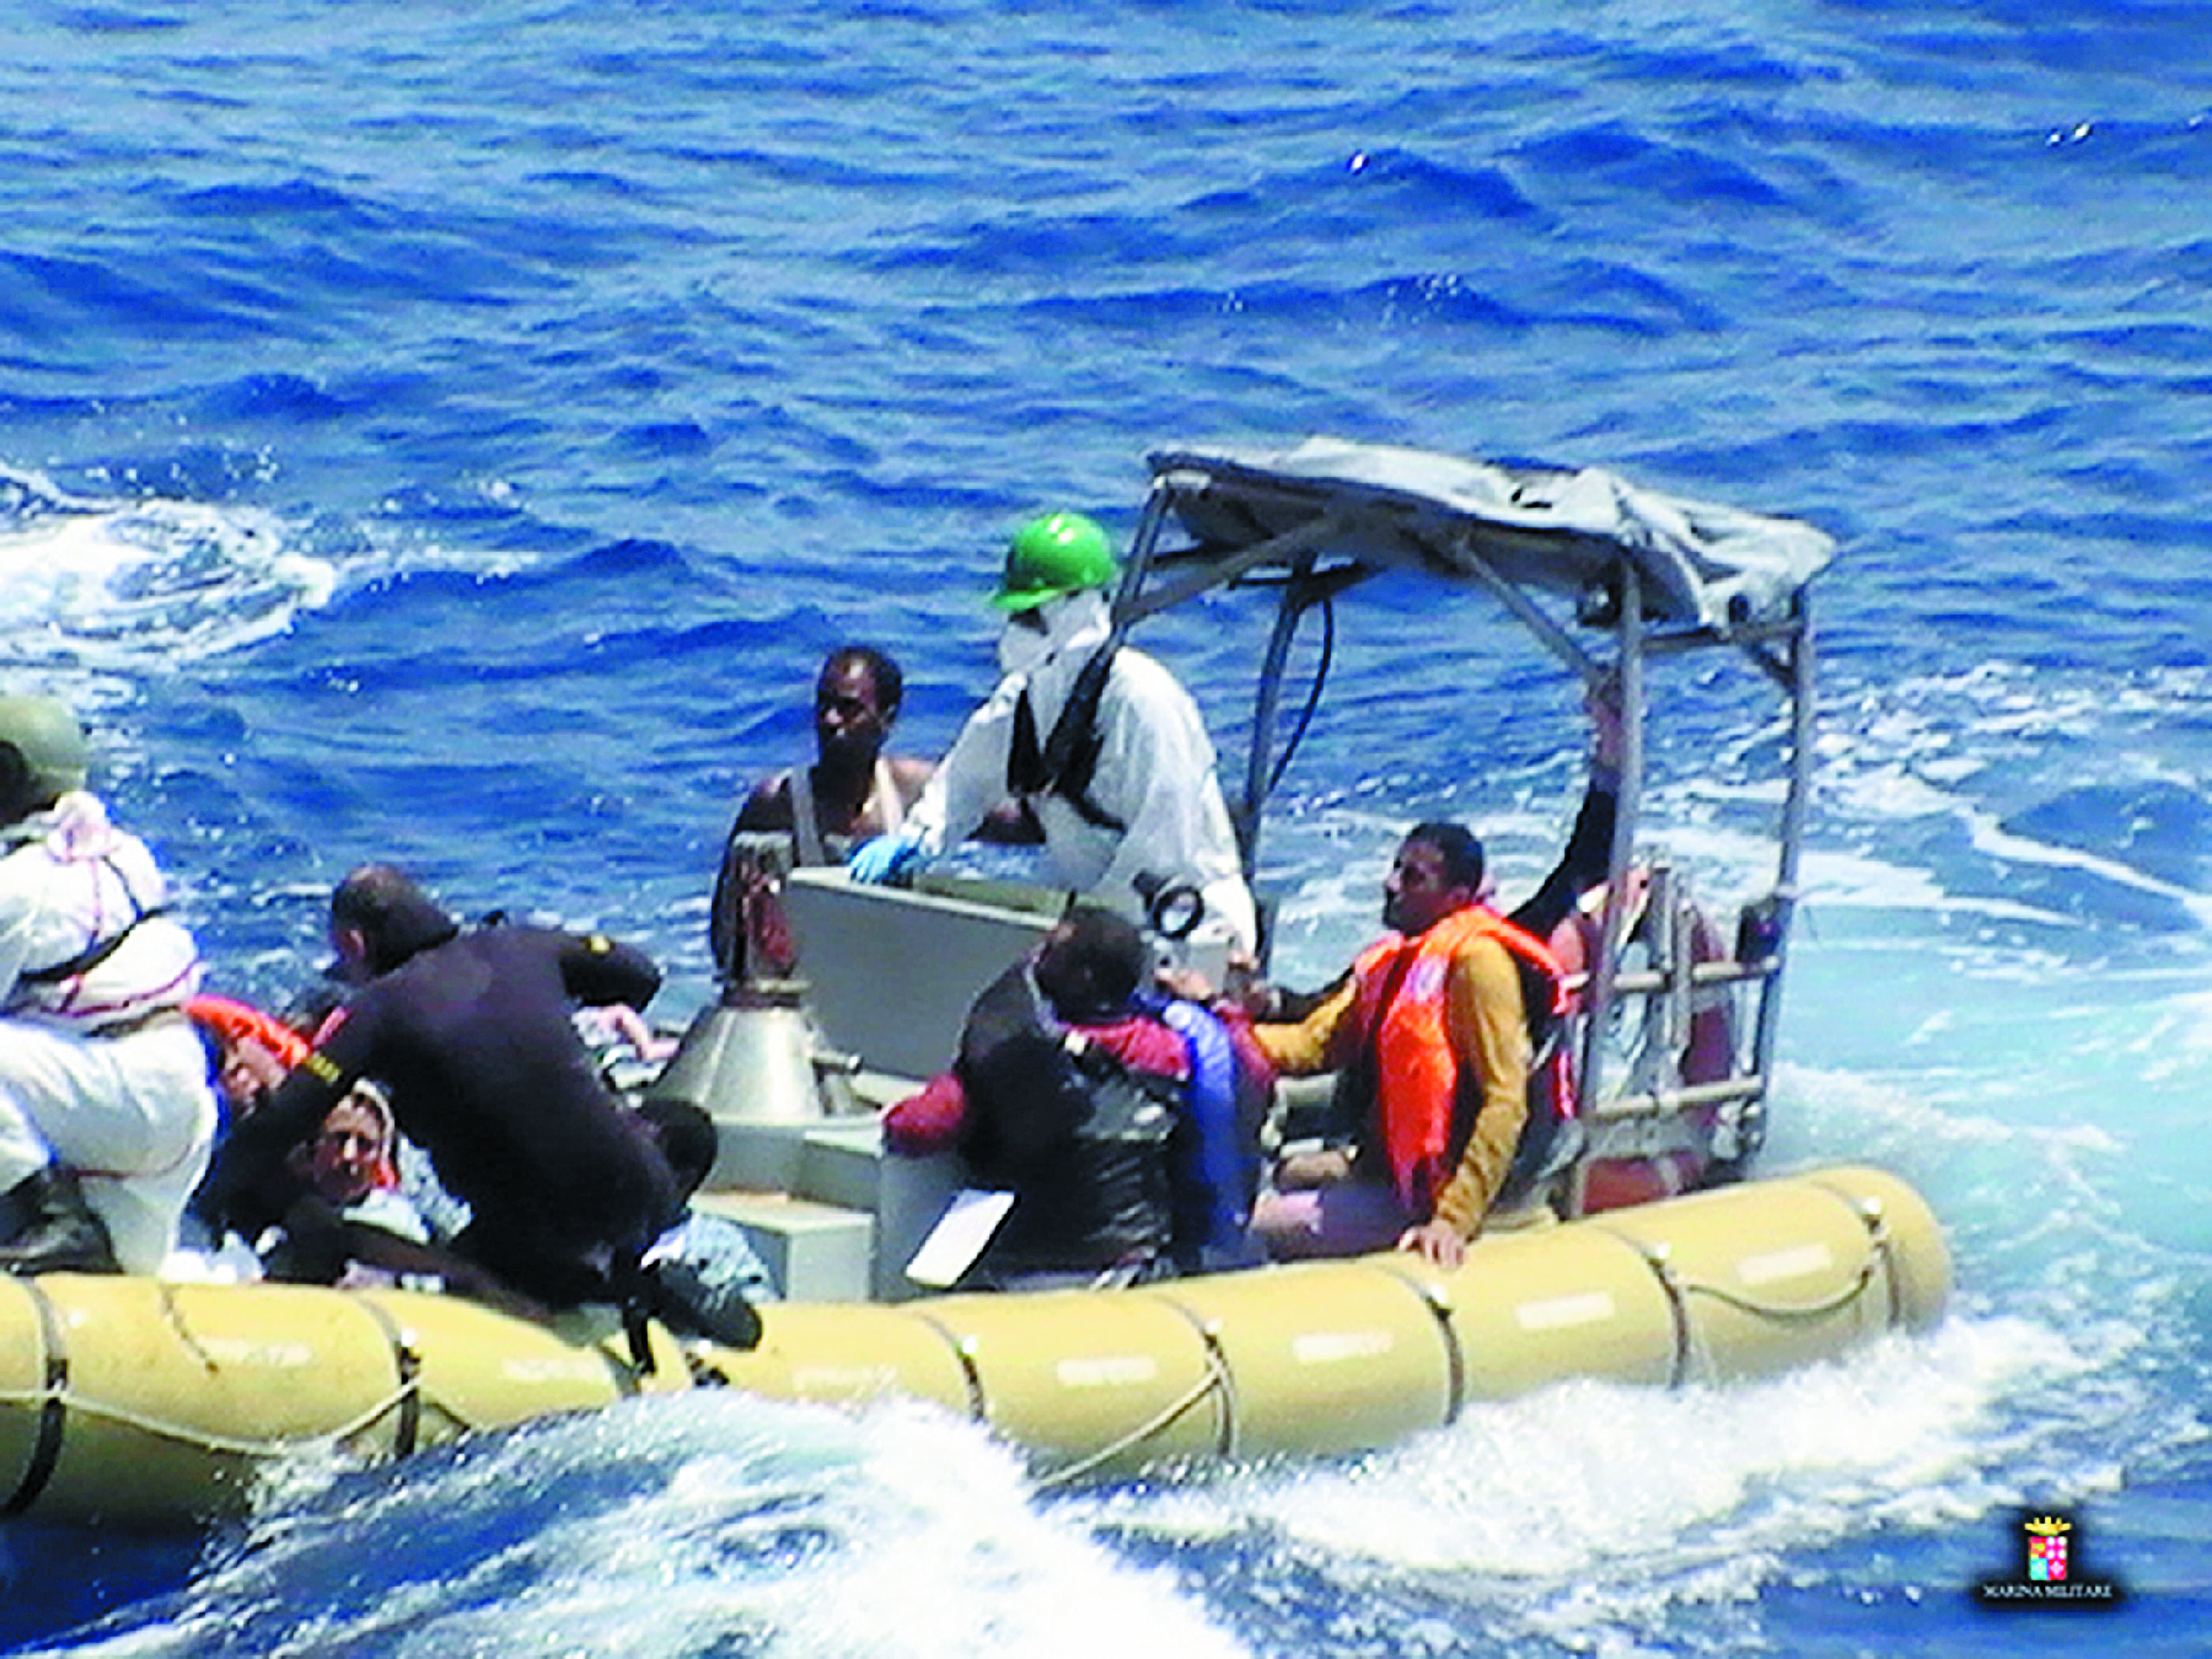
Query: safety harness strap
x,y
101,949
1069,757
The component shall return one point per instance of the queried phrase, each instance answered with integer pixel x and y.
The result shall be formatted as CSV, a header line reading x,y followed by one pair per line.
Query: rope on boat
x,y
1781,1313
205,1440
1217,1377
173,1316
407,1366
1880,1258
1678,1311
56,1400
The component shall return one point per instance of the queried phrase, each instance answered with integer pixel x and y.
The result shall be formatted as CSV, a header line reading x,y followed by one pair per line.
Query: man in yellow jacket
x,y
1430,1035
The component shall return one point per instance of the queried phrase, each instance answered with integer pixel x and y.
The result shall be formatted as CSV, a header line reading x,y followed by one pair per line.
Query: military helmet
x,y
49,750
1053,555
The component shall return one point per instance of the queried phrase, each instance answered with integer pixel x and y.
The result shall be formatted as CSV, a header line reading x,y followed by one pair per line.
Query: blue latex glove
x,y
881,858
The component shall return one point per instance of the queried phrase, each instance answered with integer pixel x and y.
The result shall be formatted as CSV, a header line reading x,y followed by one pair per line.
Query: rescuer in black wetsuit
x,y
472,1035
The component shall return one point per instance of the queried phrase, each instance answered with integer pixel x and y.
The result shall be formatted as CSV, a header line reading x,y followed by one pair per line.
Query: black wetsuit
x,y
474,1039
1580,866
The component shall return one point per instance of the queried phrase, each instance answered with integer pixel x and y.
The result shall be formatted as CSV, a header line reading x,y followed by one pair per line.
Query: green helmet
x,y
41,737
1052,555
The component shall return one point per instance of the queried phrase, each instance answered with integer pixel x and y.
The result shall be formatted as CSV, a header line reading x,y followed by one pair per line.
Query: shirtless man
x,y
853,792
853,789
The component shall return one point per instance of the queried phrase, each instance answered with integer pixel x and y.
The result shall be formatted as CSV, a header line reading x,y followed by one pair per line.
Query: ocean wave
x,y
697,1523
128,585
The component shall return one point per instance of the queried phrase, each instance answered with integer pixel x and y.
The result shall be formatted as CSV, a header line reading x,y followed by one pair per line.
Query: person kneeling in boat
x,y
1125,1126
1433,1035
473,1034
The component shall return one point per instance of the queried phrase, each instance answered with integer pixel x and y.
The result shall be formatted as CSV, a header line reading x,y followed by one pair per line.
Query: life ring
x,y
1708,1053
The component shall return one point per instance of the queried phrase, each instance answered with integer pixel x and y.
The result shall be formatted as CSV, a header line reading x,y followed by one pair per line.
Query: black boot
x,y
57,1232
690,1304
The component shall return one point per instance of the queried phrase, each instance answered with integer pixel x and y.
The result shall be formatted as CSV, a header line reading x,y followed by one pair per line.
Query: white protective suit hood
x,y
1075,625
73,881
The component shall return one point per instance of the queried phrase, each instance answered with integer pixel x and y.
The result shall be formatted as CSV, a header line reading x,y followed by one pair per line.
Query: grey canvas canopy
x,y
1698,565
1643,576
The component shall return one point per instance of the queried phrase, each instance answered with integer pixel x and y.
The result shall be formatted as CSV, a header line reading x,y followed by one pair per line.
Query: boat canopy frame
x,y
1656,575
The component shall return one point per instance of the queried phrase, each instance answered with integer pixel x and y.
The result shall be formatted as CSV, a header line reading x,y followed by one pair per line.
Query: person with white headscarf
x,y
1100,742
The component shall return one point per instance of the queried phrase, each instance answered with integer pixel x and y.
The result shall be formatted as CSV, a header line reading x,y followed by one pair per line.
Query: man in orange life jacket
x,y
1430,1035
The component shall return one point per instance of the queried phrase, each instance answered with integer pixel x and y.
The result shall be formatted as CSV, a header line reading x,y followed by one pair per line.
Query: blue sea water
x,y
453,434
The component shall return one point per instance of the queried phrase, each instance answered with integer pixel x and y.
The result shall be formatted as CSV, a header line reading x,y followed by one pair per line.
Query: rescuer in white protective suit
x,y
106,1114
1108,752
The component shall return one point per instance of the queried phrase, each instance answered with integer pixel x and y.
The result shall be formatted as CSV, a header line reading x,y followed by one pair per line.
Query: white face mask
x,y
1021,650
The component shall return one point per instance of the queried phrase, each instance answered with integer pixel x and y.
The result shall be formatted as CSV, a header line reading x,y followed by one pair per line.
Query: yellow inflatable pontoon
x,y
130,1401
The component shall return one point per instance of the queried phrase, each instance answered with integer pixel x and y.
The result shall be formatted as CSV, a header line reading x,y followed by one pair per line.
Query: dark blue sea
x,y
452,434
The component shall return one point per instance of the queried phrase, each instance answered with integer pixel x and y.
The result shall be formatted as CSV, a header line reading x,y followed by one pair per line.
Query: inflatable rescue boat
x,y
1660,1257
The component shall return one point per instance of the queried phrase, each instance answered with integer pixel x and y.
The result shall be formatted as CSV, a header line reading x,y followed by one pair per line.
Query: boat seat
x,y
815,1252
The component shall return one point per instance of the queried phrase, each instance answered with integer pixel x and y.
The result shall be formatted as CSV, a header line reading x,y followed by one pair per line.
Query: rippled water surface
x,y
453,435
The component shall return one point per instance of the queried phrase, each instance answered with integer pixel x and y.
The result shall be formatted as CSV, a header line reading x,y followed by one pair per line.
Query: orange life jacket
x,y
1417,1076
234,1022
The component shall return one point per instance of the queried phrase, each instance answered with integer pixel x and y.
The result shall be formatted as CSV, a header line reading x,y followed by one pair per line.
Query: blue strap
x,y
1229,1173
